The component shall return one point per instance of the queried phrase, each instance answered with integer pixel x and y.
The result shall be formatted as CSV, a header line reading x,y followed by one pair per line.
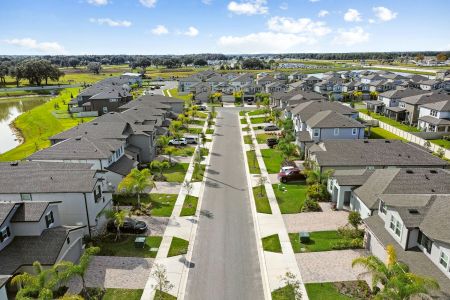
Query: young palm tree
x,y
136,182
42,283
288,149
169,150
118,216
67,270
160,165
394,277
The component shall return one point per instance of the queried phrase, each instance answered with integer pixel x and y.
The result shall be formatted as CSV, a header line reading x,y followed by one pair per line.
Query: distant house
x,y
30,232
263,81
185,84
435,117
82,192
371,154
412,104
274,87
201,92
296,76
242,80
390,102
431,84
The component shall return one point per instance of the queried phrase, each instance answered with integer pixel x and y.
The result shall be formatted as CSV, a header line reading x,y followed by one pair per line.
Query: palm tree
x,y
42,283
315,176
118,216
175,127
163,141
288,149
169,151
136,182
394,277
276,113
184,120
160,165
67,270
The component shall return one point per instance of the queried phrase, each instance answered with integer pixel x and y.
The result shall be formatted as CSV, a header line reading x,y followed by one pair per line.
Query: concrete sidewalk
x,y
276,264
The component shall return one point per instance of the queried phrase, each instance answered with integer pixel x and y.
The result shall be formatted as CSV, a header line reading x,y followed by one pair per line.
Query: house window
x,y
49,219
4,234
396,226
316,132
354,131
336,131
424,241
25,197
433,113
383,207
68,240
443,260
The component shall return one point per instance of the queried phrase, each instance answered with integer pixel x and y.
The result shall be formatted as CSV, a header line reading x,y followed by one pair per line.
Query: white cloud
x,y
302,25
110,22
323,13
160,30
314,1
352,15
371,21
249,7
192,31
148,3
263,42
207,2
45,47
97,2
284,6
352,36
384,14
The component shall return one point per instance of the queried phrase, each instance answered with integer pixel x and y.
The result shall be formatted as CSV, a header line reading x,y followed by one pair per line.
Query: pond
x,y
11,108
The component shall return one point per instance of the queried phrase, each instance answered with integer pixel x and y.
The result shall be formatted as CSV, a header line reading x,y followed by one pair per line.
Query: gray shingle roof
x,y
436,223
123,166
94,129
29,177
374,152
30,211
332,119
352,177
402,93
5,210
434,120
439,106
308,109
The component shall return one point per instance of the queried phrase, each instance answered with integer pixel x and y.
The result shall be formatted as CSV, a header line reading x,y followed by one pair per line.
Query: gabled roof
x,y
439,106
190,79
402,93
94,129
30,211
308,109
5,210
332,119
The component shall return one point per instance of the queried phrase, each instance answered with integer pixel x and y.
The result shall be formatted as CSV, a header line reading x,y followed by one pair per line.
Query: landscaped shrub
x,y
311,205
354,289
348,244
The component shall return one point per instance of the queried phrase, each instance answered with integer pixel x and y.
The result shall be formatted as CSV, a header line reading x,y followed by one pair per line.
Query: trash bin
x,y
304,236
139,242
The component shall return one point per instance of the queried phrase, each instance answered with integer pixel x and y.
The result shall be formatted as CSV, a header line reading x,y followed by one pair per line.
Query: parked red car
x,y
291,175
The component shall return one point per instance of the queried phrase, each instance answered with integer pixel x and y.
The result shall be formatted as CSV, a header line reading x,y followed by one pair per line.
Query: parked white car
x,y
177,142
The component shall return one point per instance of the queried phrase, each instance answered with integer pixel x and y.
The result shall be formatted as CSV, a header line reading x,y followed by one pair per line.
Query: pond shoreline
x,y
17,132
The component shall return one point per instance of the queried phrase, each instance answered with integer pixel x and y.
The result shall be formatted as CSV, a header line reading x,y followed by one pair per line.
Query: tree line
x,y
35,71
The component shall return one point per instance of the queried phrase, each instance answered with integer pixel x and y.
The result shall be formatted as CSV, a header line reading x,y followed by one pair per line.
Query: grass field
x,y
324,291
118,294
442,143
189,206
247,139
273,159
199,171
261,200
178,247
290,197
162,204
253,162
175,173
391,122
319,241
272,243
380,133
125,246
38,124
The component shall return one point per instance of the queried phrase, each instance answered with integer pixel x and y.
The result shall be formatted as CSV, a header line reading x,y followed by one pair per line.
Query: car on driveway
x,y
191,139
177,142
293,174
272,142
129,226
271,127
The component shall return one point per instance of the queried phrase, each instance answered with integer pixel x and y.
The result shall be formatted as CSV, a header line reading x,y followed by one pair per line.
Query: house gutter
x,y
87,214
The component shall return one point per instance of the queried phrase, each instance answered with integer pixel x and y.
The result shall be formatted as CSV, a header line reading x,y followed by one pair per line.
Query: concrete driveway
x,y
225,256
315,221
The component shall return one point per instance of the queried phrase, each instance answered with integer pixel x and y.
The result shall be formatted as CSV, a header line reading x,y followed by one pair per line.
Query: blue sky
x,y
219,26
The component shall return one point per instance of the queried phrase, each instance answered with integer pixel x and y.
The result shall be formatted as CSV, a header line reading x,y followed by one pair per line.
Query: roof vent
x,y
413,211
366,141
433,171
433,190
95,123
78,138
409,172
14,163
387,142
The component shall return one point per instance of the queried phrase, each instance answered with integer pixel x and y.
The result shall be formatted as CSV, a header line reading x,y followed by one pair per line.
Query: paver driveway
x,y
225,256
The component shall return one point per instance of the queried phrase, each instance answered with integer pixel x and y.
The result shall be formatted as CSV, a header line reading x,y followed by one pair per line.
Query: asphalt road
x,y
225,258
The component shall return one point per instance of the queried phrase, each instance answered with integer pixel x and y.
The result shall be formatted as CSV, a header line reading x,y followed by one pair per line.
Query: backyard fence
x,y
406,135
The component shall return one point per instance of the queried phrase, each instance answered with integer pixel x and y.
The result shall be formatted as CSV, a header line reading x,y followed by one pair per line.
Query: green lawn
x,y
391,122
290,197
178,247
244,121
174,93
272,243
324,291
273,159
261,200
380,133
247,139
189,206
210,131
125,246
257,112
119,294
284,293
163,296
175,173
258,120
195,130
162,204
262,137
183,151
242,113
442,143
197,122
199,171
38,124
253,164
319,241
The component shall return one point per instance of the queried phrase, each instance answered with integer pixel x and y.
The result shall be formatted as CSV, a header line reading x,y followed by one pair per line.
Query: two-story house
x,y
435,117
412,104
185,84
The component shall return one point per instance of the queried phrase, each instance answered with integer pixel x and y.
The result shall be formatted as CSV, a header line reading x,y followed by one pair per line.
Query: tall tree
x,y
94,67
136,182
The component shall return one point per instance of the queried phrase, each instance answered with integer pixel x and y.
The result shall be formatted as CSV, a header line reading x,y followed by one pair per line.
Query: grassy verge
x,y
273,159
319,241
258,120
174,93
272,243
247,139
244,121
38,124
183,151
197,122
195,130
253,164
262,137
118,294
175,173
380,133
199,172
257,112
290,197
284,293
178,247
391,122
324,291
162,204
163,296
442,143
125,246
210,131
189,206
261,200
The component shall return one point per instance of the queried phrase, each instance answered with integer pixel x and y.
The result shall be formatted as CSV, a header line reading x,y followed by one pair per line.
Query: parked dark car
x,y
271,142
291,175
129,226
271,128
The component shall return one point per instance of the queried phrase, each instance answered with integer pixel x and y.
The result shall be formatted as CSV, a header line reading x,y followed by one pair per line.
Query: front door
x,y
347,195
